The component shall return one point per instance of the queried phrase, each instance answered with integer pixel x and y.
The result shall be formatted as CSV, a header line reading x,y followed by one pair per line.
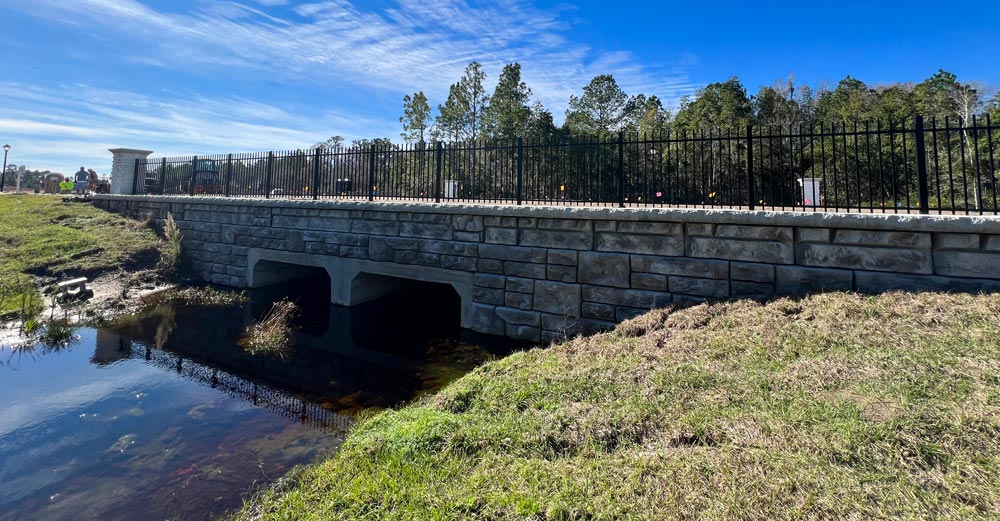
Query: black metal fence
x,y
910,166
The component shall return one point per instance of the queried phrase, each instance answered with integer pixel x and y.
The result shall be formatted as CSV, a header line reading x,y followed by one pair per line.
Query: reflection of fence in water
x,y
276,401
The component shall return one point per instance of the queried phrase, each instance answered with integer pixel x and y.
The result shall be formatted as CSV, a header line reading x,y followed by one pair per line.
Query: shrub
x,y
173,252
272,335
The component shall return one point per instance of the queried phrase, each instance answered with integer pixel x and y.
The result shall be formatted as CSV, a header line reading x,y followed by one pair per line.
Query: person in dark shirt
x,y
80,181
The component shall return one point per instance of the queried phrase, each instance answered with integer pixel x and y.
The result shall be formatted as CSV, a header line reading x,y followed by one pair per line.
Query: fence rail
x,y
909,166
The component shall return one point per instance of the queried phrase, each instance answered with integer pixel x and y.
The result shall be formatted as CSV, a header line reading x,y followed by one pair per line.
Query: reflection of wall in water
x,y
110,348
330,365
283,403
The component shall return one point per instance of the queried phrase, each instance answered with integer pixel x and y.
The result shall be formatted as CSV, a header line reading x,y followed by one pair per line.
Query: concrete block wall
x,y
538,273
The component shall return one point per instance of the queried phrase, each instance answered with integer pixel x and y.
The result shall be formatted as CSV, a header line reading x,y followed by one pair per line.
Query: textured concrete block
x,y
375,227
501,236
518,300
797,280
497,220
563,257
520,316
880,238
904,260
270,233
599,311
488,295
425,230
428,259
571,326
712,288
956,241
402,243
329,224
467,223
526,333
749,271
700,229
469,236
519,254
489,266
755,290
453,262
605,226
626,297
709,269
879,282
757,233
967,264
520,285
484,319
650,228
812,234
404,257
489,281
640,244
567,240
464,249
564,224
560,273
622,313
353,252
295,241
649,281
741,250
524,269
604,269
557,298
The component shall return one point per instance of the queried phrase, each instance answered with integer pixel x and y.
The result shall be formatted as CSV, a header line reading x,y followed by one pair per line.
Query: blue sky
x,y
185,77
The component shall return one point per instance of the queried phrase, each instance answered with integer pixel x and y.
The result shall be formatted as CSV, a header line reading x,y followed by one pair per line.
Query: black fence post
x,y
439,155
315,185
621,169
751,194
163,176
135,179
922,185
267,175
520,171
229,176
371,172
194,174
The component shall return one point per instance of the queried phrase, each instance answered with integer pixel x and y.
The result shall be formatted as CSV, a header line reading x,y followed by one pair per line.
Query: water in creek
x,y
164,416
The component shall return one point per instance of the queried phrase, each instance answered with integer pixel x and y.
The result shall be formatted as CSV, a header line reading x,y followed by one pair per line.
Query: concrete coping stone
x,y
858,221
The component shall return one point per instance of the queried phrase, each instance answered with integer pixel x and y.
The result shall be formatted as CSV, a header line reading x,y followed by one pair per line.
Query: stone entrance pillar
x,y
123,168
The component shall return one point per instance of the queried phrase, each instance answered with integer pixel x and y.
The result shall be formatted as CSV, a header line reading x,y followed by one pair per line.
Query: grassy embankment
x,y
834,406
51,237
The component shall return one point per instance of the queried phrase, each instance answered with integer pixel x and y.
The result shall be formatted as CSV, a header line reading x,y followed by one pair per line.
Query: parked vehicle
x,y
206,178
151,185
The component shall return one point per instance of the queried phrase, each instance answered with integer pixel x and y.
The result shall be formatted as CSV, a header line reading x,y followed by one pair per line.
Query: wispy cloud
x,y
63,127
410,45
405,45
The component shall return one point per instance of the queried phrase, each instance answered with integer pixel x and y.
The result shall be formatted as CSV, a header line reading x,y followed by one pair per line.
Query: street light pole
x,y
3,179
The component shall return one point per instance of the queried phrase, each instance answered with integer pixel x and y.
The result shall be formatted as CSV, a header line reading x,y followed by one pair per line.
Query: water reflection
x,y
163,415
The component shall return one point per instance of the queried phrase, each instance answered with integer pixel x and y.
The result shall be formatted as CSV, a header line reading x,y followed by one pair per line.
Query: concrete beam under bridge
x,y
355,281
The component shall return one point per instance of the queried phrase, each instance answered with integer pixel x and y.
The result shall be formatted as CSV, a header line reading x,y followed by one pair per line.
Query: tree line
x,y
470,112
858,140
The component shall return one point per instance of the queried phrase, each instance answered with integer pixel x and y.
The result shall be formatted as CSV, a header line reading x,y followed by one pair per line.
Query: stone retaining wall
x,y
538,273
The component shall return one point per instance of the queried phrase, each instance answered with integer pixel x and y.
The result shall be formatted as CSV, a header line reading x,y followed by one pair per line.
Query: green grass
x,y
51,236
836,406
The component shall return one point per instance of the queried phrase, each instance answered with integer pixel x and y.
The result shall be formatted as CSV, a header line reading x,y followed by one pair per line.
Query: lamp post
x,y
3,178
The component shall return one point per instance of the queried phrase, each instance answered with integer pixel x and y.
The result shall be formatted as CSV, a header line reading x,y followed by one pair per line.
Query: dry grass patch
x,y
834,406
